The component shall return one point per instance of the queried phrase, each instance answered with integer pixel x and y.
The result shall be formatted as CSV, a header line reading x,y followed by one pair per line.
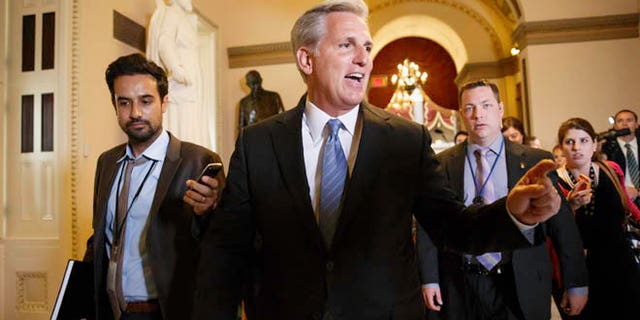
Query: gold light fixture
x,y
409,76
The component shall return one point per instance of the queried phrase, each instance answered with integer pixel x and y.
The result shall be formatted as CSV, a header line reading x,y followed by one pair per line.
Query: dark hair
x,y
134,64
513,122
480,83
579,124
460,133
635,116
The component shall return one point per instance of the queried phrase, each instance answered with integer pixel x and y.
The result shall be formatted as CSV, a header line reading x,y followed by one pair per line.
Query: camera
x,y
611,134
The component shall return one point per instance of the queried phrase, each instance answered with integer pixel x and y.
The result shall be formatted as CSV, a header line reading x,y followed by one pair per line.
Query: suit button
x,y
329,266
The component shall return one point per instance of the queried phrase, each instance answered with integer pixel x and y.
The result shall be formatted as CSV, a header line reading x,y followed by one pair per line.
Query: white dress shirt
x,y
314,133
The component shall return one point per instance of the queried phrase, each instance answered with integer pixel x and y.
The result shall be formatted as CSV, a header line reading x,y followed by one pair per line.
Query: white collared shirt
x,y
634,148
314,133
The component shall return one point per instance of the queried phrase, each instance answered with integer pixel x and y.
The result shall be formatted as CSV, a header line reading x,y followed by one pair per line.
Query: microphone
x,y
613,133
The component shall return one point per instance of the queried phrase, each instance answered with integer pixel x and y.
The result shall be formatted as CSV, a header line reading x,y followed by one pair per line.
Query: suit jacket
x,y
612,149
369,272
172,228
531,266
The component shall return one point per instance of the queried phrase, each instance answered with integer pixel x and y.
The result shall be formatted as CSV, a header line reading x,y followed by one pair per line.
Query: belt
x,y
480,269
149,306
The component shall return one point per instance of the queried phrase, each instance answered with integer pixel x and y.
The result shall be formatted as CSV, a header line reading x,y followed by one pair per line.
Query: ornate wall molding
x,y
493,35
31,291
75,123
577,30
276,53
261,54
490,70
129,31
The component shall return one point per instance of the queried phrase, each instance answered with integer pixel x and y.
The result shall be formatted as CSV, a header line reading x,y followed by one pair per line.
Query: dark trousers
x,y
142,316
472,296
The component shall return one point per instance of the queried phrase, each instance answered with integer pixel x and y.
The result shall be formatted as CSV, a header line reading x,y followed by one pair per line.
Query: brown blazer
x,y
173,228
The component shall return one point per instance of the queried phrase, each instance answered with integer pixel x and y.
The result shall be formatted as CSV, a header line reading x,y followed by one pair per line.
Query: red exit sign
x,y
379,81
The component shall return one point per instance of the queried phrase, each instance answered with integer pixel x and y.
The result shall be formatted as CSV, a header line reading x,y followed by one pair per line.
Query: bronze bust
x,y
259,104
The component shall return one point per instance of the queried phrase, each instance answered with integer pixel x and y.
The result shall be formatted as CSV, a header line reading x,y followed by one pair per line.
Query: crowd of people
x,y
314,219
596,175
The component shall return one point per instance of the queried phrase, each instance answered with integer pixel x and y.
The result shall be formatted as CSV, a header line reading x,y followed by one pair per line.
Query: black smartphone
x,y
211,170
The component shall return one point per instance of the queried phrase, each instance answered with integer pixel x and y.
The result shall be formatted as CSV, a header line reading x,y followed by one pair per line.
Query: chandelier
x,y
407,98
408,76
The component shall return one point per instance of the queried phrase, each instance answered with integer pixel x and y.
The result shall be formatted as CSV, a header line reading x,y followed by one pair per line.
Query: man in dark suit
x,y
518,284
623,150
329,189
144,255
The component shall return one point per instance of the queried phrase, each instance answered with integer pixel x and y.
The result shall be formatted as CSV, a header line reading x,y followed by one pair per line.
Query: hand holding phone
x,y
200,195
587,182
211,170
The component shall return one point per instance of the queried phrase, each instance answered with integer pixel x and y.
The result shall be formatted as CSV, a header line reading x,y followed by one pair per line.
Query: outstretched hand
x,y
534,199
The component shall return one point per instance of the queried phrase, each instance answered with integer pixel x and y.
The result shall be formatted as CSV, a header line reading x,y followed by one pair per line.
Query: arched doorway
x,y
430,56
436,98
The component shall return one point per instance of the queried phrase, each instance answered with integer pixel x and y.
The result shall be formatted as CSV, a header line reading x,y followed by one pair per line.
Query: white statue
x,y
173,44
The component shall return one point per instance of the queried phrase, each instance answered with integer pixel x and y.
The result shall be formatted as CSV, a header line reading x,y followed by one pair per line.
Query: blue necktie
x,y
490,259
334,174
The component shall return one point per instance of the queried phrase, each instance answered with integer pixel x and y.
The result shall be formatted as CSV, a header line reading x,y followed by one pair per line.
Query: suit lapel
x,y
171,164
366,167
455,168
516,160
287,145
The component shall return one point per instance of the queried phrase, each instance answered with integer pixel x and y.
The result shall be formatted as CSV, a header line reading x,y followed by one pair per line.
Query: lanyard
x,y
478,198
117,228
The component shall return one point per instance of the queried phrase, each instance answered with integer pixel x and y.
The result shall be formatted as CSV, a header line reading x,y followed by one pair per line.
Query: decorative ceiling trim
x,y
516,8
577,30
503,9
493,35
490,70
259,55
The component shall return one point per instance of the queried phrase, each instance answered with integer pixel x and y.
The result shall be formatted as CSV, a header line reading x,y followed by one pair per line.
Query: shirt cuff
x,y
528,231
431,286
578,291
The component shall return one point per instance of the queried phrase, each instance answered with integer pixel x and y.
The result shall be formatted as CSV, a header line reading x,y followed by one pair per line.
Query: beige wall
x,y
587,79
537,10
582,79
3,80
98,128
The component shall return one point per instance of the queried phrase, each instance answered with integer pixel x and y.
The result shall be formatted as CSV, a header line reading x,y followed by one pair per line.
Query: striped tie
x,y
632,166
490,259
334,174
